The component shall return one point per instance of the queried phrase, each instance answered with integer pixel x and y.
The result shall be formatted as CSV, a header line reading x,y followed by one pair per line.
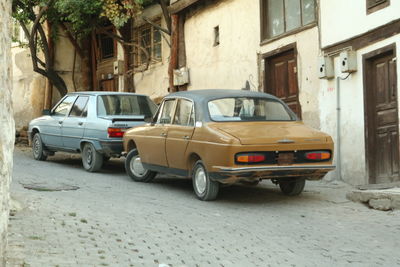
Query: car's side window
x,y
184,113
167,111
63,108
79,107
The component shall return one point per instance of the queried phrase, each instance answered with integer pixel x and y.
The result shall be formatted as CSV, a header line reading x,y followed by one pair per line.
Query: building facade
x,y
359,101
6,123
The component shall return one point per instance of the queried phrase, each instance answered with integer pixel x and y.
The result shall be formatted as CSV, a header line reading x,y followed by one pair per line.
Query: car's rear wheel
x,y
292,187
134,168
92,160
38,148
204,187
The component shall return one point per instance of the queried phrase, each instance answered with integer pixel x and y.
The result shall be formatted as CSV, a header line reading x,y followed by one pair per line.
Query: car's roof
x,y
96,93
209,94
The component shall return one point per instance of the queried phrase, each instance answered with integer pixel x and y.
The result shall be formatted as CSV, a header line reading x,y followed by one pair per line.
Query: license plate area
x,y
285,158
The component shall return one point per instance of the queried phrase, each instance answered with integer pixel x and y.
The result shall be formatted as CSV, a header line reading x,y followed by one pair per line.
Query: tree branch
x,y
156,25
167,17
72,40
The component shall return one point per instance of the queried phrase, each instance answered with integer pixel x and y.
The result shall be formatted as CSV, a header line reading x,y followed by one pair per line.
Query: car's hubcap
x,y
89,155
36,146
200,180
137,167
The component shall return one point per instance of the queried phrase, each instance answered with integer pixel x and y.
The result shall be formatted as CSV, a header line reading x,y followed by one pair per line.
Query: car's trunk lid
x,y
254,133
124,121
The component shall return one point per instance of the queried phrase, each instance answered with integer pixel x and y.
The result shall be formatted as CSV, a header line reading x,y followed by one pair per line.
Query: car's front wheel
x,y
38,148
134,168
292,187
92,160
204,187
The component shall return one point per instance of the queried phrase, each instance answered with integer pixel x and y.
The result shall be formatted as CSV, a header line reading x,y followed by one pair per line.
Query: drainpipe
x,y
338,152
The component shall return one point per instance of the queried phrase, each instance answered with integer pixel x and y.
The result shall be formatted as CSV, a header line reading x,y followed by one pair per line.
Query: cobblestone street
x,y
112,221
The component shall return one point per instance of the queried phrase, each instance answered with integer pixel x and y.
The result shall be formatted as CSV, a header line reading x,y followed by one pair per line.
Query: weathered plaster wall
x,y
29,87
353,167
338,21
234,61
6,123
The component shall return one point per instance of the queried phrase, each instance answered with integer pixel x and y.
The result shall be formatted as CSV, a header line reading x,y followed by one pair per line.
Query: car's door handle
x,y
80,123
60,122
163,134
186,137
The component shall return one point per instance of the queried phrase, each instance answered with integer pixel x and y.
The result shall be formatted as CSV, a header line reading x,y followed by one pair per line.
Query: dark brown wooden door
x,y
382,118
281,79
108,85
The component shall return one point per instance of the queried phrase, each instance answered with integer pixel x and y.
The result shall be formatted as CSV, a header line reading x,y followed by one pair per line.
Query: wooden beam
x,y
181,5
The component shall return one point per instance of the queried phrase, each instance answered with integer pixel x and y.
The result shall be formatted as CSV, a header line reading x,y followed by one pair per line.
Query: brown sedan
x,y
225,137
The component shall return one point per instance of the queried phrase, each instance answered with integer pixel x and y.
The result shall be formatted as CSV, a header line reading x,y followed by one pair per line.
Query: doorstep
x,y
380,197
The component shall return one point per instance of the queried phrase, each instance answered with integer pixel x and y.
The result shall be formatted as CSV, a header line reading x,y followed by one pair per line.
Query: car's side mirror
x,y
46,112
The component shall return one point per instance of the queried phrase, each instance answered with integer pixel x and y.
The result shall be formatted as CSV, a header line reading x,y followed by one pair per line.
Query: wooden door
x,y
382,117
281,79
108,85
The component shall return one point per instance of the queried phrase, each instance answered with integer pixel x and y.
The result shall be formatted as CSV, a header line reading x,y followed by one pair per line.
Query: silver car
x,y
90,123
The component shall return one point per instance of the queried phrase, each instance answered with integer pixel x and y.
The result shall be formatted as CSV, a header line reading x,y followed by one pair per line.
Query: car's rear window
x,y
116,105
248,109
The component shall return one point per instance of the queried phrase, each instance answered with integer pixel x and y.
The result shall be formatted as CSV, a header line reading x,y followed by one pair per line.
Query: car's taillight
x,y
318,155
250,158
115,132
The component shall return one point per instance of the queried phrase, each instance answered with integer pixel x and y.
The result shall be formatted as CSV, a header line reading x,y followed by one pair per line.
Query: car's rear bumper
x,y
232,175
111,147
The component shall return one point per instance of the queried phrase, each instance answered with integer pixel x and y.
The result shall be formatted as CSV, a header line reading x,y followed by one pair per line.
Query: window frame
x,y
371,8
53,111
159,116
264,33
136,53
100,36
192,111
84,107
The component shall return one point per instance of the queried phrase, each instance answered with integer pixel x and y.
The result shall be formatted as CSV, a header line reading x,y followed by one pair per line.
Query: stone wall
x,y
6,123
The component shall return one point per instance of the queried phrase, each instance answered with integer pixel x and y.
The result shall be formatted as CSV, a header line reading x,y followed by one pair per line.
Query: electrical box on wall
x,y
348,61
325,68
181,76
118,67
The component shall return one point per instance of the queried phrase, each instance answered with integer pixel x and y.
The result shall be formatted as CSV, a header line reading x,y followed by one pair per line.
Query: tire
x,y
292,187
92,160
38,148
204,188
135,169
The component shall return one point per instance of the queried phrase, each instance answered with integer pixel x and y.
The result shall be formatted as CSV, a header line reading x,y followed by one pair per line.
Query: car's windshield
x,y
248,109
110,105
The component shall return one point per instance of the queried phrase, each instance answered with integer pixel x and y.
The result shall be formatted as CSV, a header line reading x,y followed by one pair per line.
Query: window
x,y
63,108
79,109
166,112
375,5
149,38
184,114
281,16
248,109
109,105
106,46
216,36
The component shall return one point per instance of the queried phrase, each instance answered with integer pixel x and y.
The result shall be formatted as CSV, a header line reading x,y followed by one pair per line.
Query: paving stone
x,y
112,221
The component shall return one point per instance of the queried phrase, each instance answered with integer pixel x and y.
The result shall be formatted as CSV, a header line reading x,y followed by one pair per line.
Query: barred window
x,y
149,38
